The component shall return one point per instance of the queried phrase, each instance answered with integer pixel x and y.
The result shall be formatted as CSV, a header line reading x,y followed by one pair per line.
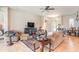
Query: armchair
x,y
13,36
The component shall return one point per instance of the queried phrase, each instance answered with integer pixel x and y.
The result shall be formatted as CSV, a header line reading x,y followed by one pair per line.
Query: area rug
x,y
29,43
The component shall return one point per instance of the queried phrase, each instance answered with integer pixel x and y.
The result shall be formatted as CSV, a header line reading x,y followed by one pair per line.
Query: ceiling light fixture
x,y
77,16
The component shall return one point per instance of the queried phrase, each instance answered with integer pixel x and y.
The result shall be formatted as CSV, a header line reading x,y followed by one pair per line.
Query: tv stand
x,y
30,30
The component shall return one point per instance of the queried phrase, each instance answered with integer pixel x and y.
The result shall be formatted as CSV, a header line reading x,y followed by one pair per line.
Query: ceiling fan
x,y
47,8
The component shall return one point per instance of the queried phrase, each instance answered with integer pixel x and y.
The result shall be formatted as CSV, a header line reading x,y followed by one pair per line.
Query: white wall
x,y
52,23
17,19
66,19
63,20
4,18
1,19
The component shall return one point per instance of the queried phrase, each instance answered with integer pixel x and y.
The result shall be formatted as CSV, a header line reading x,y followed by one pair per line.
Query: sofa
x,y
56,39
12,36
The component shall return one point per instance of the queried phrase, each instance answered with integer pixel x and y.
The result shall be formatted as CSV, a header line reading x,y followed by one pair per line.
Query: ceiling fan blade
x,y
51,9
47,7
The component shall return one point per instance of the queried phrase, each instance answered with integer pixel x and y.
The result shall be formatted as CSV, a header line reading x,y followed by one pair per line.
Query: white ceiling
x,y
61,10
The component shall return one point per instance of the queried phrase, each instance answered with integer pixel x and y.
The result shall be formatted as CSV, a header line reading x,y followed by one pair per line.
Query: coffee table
x,y
43,42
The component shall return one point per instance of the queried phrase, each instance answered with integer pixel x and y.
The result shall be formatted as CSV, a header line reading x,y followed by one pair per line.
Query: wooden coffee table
x,y
43,42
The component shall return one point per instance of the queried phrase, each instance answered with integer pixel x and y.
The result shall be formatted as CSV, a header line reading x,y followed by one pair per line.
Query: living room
x,y
22,23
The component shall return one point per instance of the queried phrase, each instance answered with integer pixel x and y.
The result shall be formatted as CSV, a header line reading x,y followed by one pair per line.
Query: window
x,y
71,22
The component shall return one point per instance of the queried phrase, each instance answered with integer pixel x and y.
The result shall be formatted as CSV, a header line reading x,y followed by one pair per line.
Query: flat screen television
x,y
30,24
